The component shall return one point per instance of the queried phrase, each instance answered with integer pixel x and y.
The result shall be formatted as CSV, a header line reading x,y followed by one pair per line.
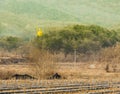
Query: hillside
x,y
24,16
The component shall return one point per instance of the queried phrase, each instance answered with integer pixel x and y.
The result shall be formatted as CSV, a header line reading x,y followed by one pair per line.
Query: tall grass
x,y
41,62
110,54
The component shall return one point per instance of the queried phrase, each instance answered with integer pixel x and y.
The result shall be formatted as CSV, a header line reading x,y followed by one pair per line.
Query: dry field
x,y
86,71
44,63
82,78
71,71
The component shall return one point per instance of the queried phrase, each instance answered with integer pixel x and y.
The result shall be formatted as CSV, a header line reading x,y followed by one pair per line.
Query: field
x,y
76,77
90,78
69,71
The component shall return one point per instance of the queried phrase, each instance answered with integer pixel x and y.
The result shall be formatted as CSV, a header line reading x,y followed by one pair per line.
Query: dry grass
x,y
110,54
86,71
69,71
6,71
41,63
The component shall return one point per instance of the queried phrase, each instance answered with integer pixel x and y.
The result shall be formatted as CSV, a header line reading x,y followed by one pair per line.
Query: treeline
x,y
10,43
82,38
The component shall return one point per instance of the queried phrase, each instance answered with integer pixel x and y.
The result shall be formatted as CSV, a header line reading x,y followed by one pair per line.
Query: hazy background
x,y
18,17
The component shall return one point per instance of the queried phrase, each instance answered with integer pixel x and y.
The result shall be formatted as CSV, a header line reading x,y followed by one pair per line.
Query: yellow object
x,y
39,32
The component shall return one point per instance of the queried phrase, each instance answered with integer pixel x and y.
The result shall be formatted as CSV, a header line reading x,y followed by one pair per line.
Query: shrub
x,y
9,43
41,62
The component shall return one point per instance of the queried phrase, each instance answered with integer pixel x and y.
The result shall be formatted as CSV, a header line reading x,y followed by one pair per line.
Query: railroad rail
x,y
53,88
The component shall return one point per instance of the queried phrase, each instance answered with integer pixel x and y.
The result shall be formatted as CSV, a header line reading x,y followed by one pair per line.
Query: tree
x,y
77,39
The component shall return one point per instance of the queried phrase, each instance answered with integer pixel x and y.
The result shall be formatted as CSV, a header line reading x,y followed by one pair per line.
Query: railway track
x,y
50,88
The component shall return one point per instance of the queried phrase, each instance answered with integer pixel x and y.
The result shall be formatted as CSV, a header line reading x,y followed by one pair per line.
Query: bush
x,y
41,62
9,43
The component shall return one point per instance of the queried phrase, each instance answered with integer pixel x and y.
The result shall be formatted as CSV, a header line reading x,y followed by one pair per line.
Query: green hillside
x,y
18,17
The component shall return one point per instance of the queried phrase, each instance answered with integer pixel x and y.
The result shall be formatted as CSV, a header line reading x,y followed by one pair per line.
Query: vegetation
x,y
82,38
75,40
9,43
110,54
41,63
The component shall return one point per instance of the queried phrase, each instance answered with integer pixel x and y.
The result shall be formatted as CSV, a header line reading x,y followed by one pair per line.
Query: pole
x,y
75,55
